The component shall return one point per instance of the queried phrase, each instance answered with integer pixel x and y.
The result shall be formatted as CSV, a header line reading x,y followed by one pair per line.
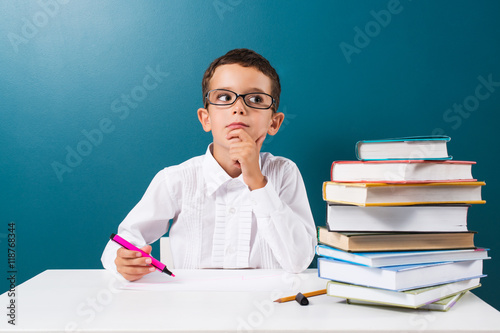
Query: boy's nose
x,y
239,106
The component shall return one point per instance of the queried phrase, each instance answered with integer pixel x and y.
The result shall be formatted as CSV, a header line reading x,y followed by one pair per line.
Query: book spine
x,y
356,149
407,159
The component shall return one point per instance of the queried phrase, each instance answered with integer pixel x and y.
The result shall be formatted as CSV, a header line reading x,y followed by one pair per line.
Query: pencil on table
x,y
291,298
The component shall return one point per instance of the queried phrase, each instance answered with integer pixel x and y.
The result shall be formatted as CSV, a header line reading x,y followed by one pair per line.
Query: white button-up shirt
x,y
217,222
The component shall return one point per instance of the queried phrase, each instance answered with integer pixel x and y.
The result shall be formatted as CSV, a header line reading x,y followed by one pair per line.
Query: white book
x,y
394,171
414,298
399,278
416,218
414,148
381,194
397,258
442,305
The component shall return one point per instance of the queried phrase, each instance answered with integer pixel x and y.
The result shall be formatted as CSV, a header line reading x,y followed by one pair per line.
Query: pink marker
x,y
155,263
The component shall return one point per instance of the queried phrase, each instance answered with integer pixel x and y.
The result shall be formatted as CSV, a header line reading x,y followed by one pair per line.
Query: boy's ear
x,y
204,119
276,121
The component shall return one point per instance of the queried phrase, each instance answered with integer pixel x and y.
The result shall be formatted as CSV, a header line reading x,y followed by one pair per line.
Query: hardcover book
x,y
399,278
416,218
413,298
395,241
382,194
396,258
411,148
405,171
441,305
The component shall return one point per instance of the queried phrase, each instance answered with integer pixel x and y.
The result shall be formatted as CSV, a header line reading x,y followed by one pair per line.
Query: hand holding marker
x,y
155,263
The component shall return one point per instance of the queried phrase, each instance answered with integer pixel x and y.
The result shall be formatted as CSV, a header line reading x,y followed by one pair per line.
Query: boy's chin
x,y
221,145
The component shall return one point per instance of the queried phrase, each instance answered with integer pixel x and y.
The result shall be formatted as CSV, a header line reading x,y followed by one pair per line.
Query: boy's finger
x,y
136,261
233,138
239,133
124,253
147,249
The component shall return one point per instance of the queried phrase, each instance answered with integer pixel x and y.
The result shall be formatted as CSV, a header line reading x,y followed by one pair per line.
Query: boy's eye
x,y
257,99
224,97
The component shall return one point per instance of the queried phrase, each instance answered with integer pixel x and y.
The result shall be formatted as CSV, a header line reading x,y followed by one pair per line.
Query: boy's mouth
x,y
236,125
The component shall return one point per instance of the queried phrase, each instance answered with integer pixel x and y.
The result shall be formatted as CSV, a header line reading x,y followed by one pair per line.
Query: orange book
x,y
383,194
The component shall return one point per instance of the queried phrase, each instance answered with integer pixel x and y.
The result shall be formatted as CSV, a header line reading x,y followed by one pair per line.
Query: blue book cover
x,y
395,258
402,277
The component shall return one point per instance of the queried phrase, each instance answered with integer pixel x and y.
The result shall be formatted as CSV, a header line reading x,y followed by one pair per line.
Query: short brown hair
x,y
245,58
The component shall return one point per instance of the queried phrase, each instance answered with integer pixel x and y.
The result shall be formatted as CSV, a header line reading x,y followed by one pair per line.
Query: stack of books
x,y
396,226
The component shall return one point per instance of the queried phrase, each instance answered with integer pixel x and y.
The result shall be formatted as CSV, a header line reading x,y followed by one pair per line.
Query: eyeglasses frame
x,y
242,97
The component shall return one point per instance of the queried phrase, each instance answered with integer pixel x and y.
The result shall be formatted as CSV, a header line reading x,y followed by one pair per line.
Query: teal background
x,y
72,59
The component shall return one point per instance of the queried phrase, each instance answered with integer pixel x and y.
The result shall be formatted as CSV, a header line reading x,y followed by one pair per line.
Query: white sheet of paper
x,y
217,280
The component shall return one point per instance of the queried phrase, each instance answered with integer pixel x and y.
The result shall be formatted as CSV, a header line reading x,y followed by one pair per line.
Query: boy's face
x,y
221,120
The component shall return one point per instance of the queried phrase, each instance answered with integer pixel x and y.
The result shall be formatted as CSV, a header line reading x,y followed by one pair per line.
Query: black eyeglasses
x,y
226,97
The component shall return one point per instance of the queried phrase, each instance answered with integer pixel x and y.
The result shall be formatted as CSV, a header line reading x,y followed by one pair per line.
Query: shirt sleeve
x,y
284,218
146,222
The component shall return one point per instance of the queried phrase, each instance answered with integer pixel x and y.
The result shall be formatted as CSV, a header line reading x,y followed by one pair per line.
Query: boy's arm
x,y
284,217
283,214
146,222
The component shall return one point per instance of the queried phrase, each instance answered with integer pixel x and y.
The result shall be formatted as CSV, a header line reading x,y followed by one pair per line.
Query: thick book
x,y
413,298
402,277
382,194
415,218
395,241
406,171
396,258
404,148
441,305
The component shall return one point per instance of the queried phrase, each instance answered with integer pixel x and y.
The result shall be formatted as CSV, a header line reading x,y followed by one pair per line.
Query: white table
x,y
88,301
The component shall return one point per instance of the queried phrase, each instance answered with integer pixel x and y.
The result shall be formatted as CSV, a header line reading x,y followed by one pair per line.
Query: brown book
x,y
395,241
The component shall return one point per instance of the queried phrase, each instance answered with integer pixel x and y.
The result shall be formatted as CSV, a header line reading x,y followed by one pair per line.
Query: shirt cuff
x,y
265,201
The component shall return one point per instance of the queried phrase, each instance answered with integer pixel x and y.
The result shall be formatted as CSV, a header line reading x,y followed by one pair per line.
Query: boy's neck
x,y
221,155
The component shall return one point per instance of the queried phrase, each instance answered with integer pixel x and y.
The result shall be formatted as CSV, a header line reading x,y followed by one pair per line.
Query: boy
x,y
233,207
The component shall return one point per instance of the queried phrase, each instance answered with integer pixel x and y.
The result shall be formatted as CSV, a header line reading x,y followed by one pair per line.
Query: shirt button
x,y
232,210
230,249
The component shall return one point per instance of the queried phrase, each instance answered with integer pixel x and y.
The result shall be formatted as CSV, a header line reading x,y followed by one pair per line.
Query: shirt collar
x,y
215,176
